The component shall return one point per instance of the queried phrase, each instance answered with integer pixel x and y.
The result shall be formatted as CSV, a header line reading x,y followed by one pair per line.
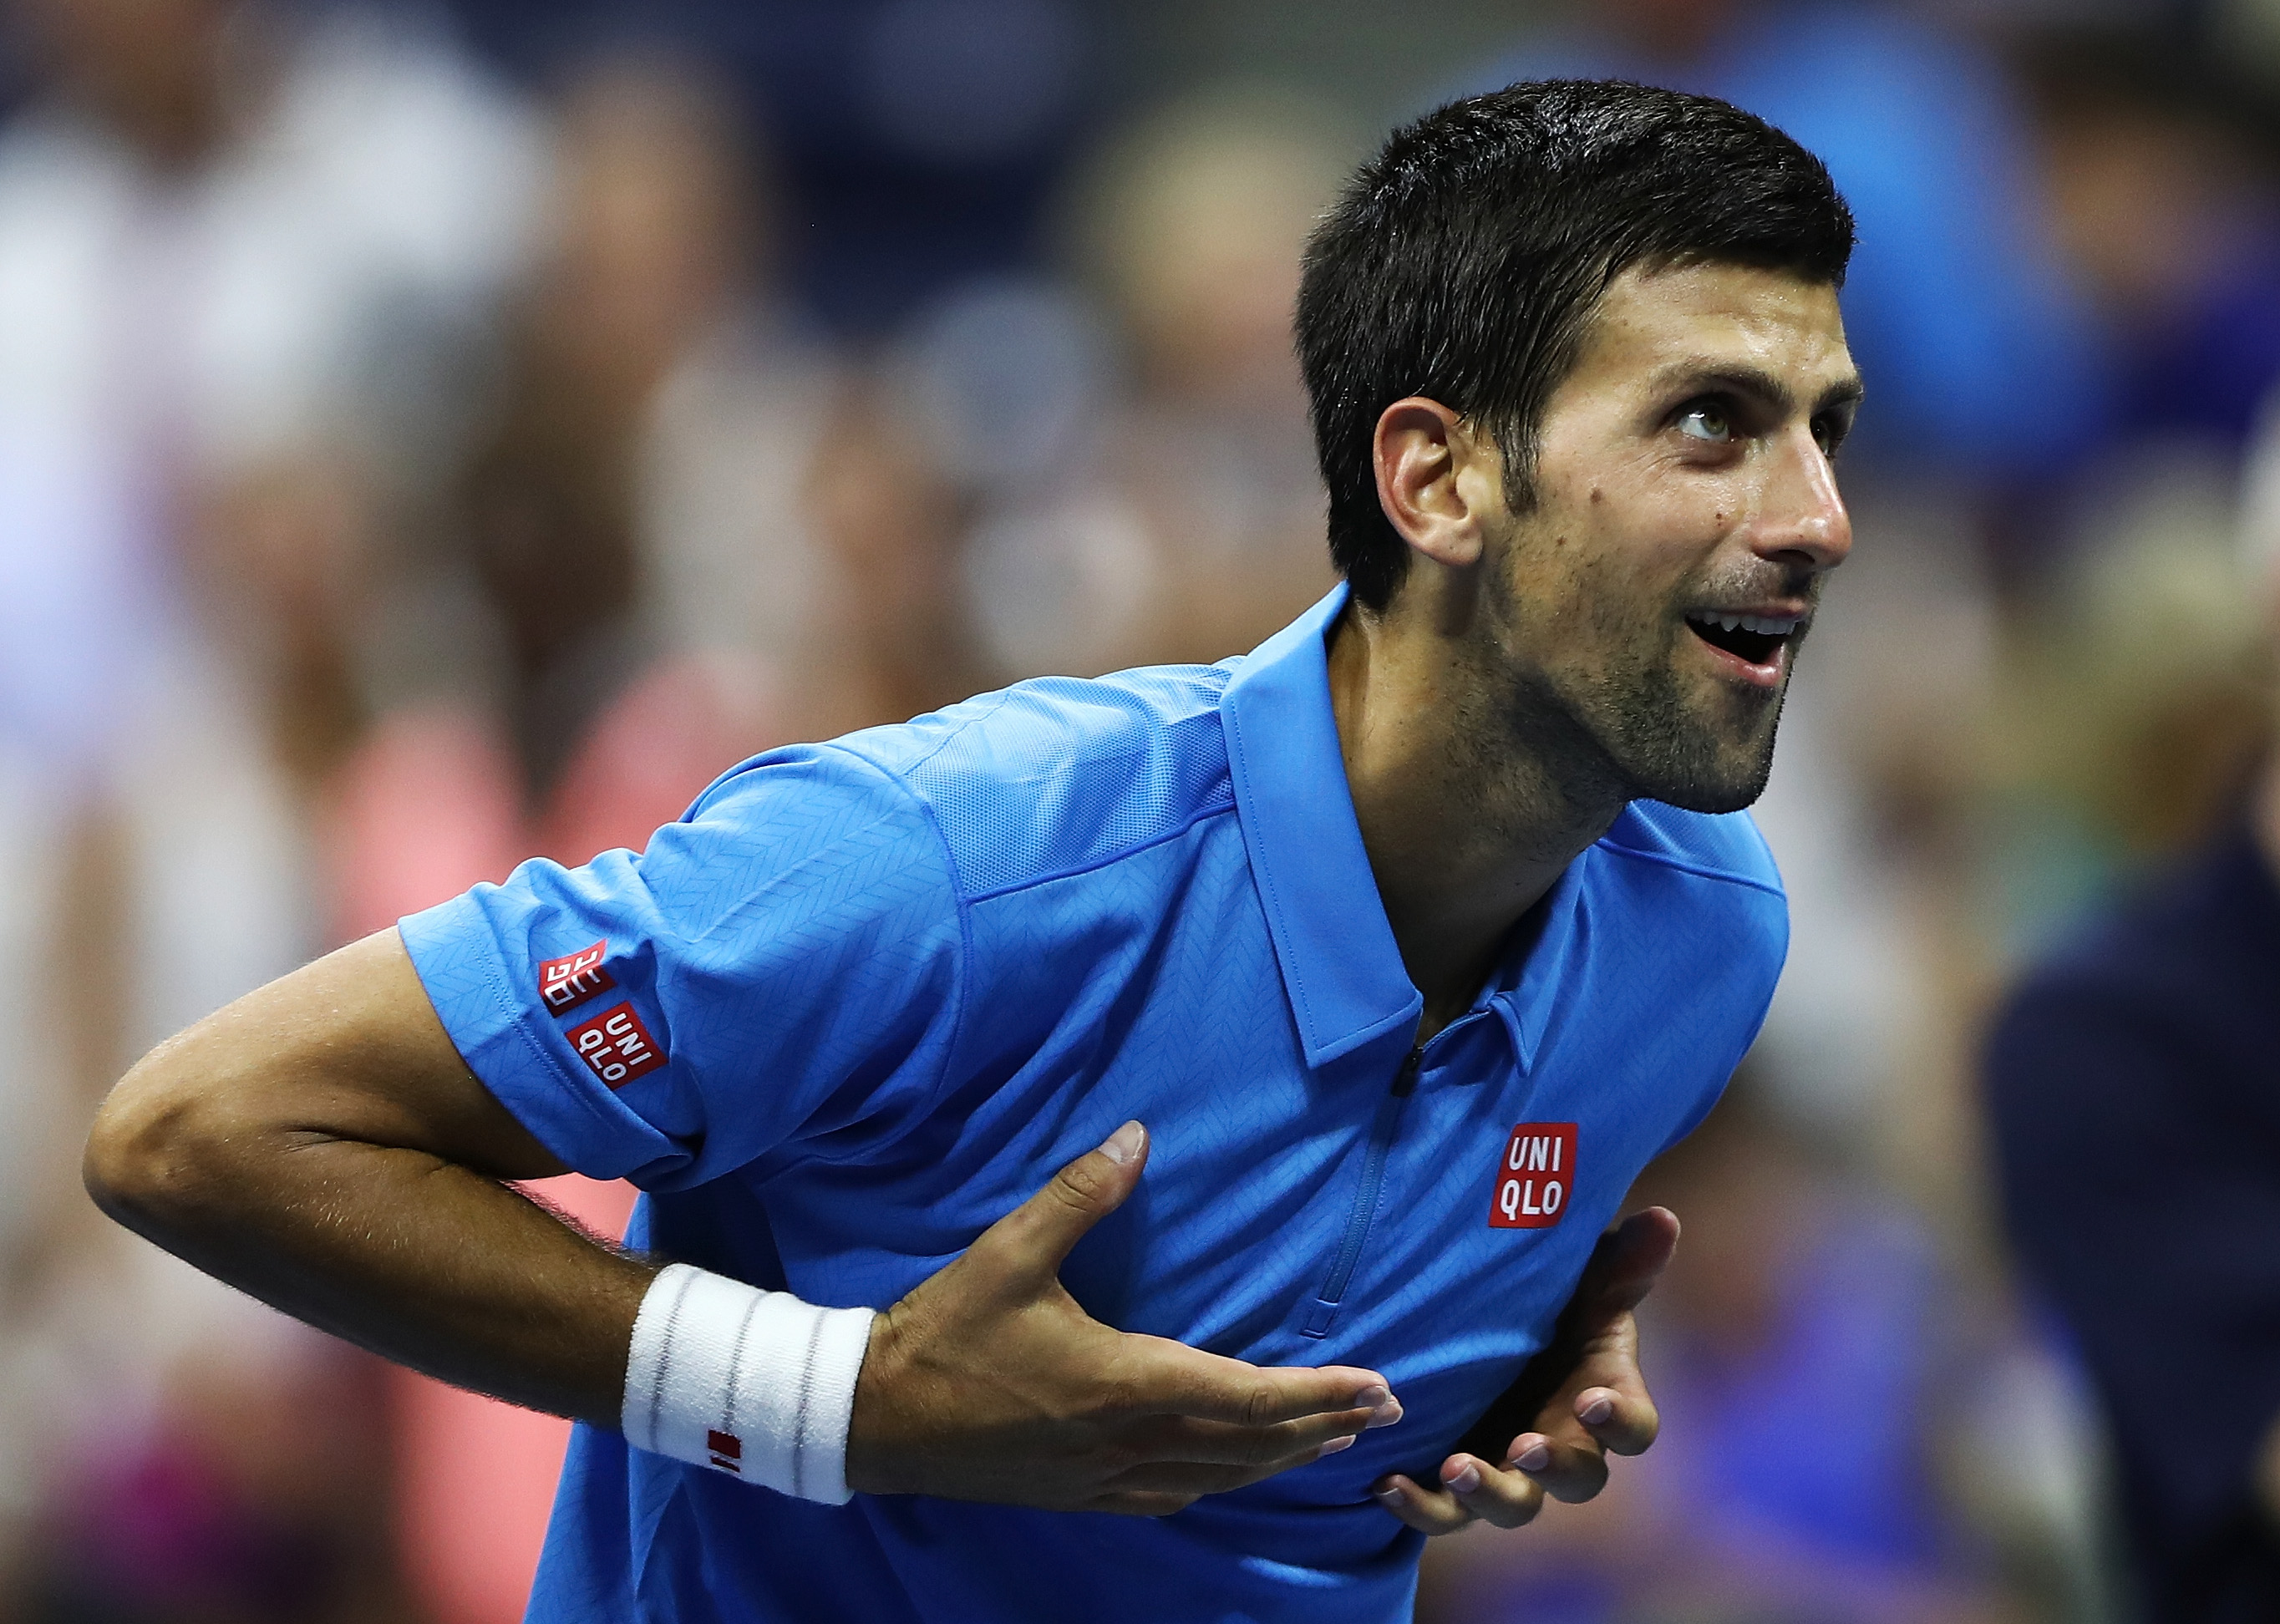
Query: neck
x,y
1467,822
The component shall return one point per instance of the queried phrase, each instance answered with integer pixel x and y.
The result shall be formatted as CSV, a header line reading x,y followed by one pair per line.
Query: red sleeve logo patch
x,y
564,984
615,1046
1534,1178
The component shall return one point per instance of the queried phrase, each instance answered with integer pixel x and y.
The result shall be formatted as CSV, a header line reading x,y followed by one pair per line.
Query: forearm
x,y
428,1264
322,1145
318,1145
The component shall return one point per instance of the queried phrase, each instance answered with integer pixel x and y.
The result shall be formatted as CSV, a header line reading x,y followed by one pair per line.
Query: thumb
x,y
1631,1256
1037,1235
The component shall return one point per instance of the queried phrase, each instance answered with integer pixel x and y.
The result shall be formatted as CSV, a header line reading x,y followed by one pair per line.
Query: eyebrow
x,y
1754,381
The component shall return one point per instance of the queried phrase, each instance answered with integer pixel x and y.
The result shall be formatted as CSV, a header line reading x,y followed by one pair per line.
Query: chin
x,y
1721,798
1711,780
1656,737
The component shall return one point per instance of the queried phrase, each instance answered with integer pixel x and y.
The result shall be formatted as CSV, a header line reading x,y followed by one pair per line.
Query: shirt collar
x,y
1525,985
1344,976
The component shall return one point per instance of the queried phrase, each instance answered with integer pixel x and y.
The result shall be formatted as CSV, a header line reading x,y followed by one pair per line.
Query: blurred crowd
x,y
431,436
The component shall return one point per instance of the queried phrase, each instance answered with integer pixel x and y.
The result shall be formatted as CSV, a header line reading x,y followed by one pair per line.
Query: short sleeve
x,y
783,963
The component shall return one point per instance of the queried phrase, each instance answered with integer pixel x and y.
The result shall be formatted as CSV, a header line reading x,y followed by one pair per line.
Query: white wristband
x,y
752,1382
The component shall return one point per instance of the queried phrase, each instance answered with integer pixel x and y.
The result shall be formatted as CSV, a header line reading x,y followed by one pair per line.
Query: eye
x,y
1707,421
1828,430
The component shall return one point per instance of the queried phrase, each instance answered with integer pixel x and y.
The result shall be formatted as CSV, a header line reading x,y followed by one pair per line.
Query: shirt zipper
x,y
1325,1309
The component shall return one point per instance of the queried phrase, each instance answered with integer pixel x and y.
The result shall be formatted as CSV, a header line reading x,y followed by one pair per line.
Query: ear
x,y
1434,475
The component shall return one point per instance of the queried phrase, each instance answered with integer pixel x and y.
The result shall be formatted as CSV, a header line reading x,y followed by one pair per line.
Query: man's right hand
x,y
989,1381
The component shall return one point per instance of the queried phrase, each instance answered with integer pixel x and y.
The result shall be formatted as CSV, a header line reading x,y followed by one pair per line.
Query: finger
x,y
1625,1423
1177,1379
1493,1493
1036,1235
1428,1511
1566,1470
1225,1443
1630,1258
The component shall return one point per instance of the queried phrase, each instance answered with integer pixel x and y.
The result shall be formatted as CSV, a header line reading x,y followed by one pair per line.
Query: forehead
x,y
1653,326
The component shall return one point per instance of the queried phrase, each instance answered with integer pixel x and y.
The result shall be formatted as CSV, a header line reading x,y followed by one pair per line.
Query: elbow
x,y
153,1149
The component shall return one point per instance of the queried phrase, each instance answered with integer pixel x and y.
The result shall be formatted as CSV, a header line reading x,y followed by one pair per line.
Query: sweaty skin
x,y
1537,669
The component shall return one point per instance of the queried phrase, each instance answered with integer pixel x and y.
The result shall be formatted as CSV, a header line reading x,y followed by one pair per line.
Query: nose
x,y
1802,518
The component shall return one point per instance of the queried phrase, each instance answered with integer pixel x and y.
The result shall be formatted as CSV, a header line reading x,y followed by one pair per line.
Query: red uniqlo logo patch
x,y
615,1046
1534,1177
566,983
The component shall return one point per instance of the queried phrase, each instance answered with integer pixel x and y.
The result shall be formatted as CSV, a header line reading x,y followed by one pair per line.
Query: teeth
x,y
1765,625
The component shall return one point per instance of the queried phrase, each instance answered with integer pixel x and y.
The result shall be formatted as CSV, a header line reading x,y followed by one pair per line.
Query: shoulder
x,y
1723,850
1705,885
2142,1042
788,793
1682,930
808,820
1698,894
1059,774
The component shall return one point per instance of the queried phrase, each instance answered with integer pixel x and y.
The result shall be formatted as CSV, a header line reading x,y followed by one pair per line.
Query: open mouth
x,y
1756,640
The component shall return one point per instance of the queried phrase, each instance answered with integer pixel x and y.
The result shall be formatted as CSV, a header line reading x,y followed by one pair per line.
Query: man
x,y
2134,1083
1394,934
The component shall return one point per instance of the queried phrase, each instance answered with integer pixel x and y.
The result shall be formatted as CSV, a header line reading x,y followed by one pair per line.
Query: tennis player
x,y
1197,1092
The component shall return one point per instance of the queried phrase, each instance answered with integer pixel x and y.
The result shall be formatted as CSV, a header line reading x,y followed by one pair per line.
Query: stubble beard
x,y
1669,752
1631,732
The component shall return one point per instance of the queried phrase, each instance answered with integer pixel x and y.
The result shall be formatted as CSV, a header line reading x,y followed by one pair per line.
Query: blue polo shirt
x,y
866,997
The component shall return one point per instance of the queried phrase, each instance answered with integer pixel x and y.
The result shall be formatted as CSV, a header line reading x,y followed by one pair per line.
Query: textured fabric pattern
x,y
754,1383
904,978
1016,805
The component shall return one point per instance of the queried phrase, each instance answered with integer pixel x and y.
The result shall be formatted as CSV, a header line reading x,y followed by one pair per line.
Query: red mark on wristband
x,y
1534,1177
615,1046
728,1450
566,982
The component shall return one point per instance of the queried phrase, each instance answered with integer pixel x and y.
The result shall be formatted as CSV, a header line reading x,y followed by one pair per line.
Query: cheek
x,y
1581,614
1672,517
1612,574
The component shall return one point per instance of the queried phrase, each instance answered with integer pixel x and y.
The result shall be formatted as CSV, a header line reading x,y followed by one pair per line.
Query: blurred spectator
x,y
622,598
1793,1295
893,636
917,140
243,252
2132,1080
232,1508
2165,200
240,258
1186,521
620,574
2126,716
1870,786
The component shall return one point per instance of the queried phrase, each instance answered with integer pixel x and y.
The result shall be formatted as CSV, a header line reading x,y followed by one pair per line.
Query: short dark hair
x,y
1463,261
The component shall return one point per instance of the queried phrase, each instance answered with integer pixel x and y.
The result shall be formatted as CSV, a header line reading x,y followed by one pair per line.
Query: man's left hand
x,y
1599,1404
